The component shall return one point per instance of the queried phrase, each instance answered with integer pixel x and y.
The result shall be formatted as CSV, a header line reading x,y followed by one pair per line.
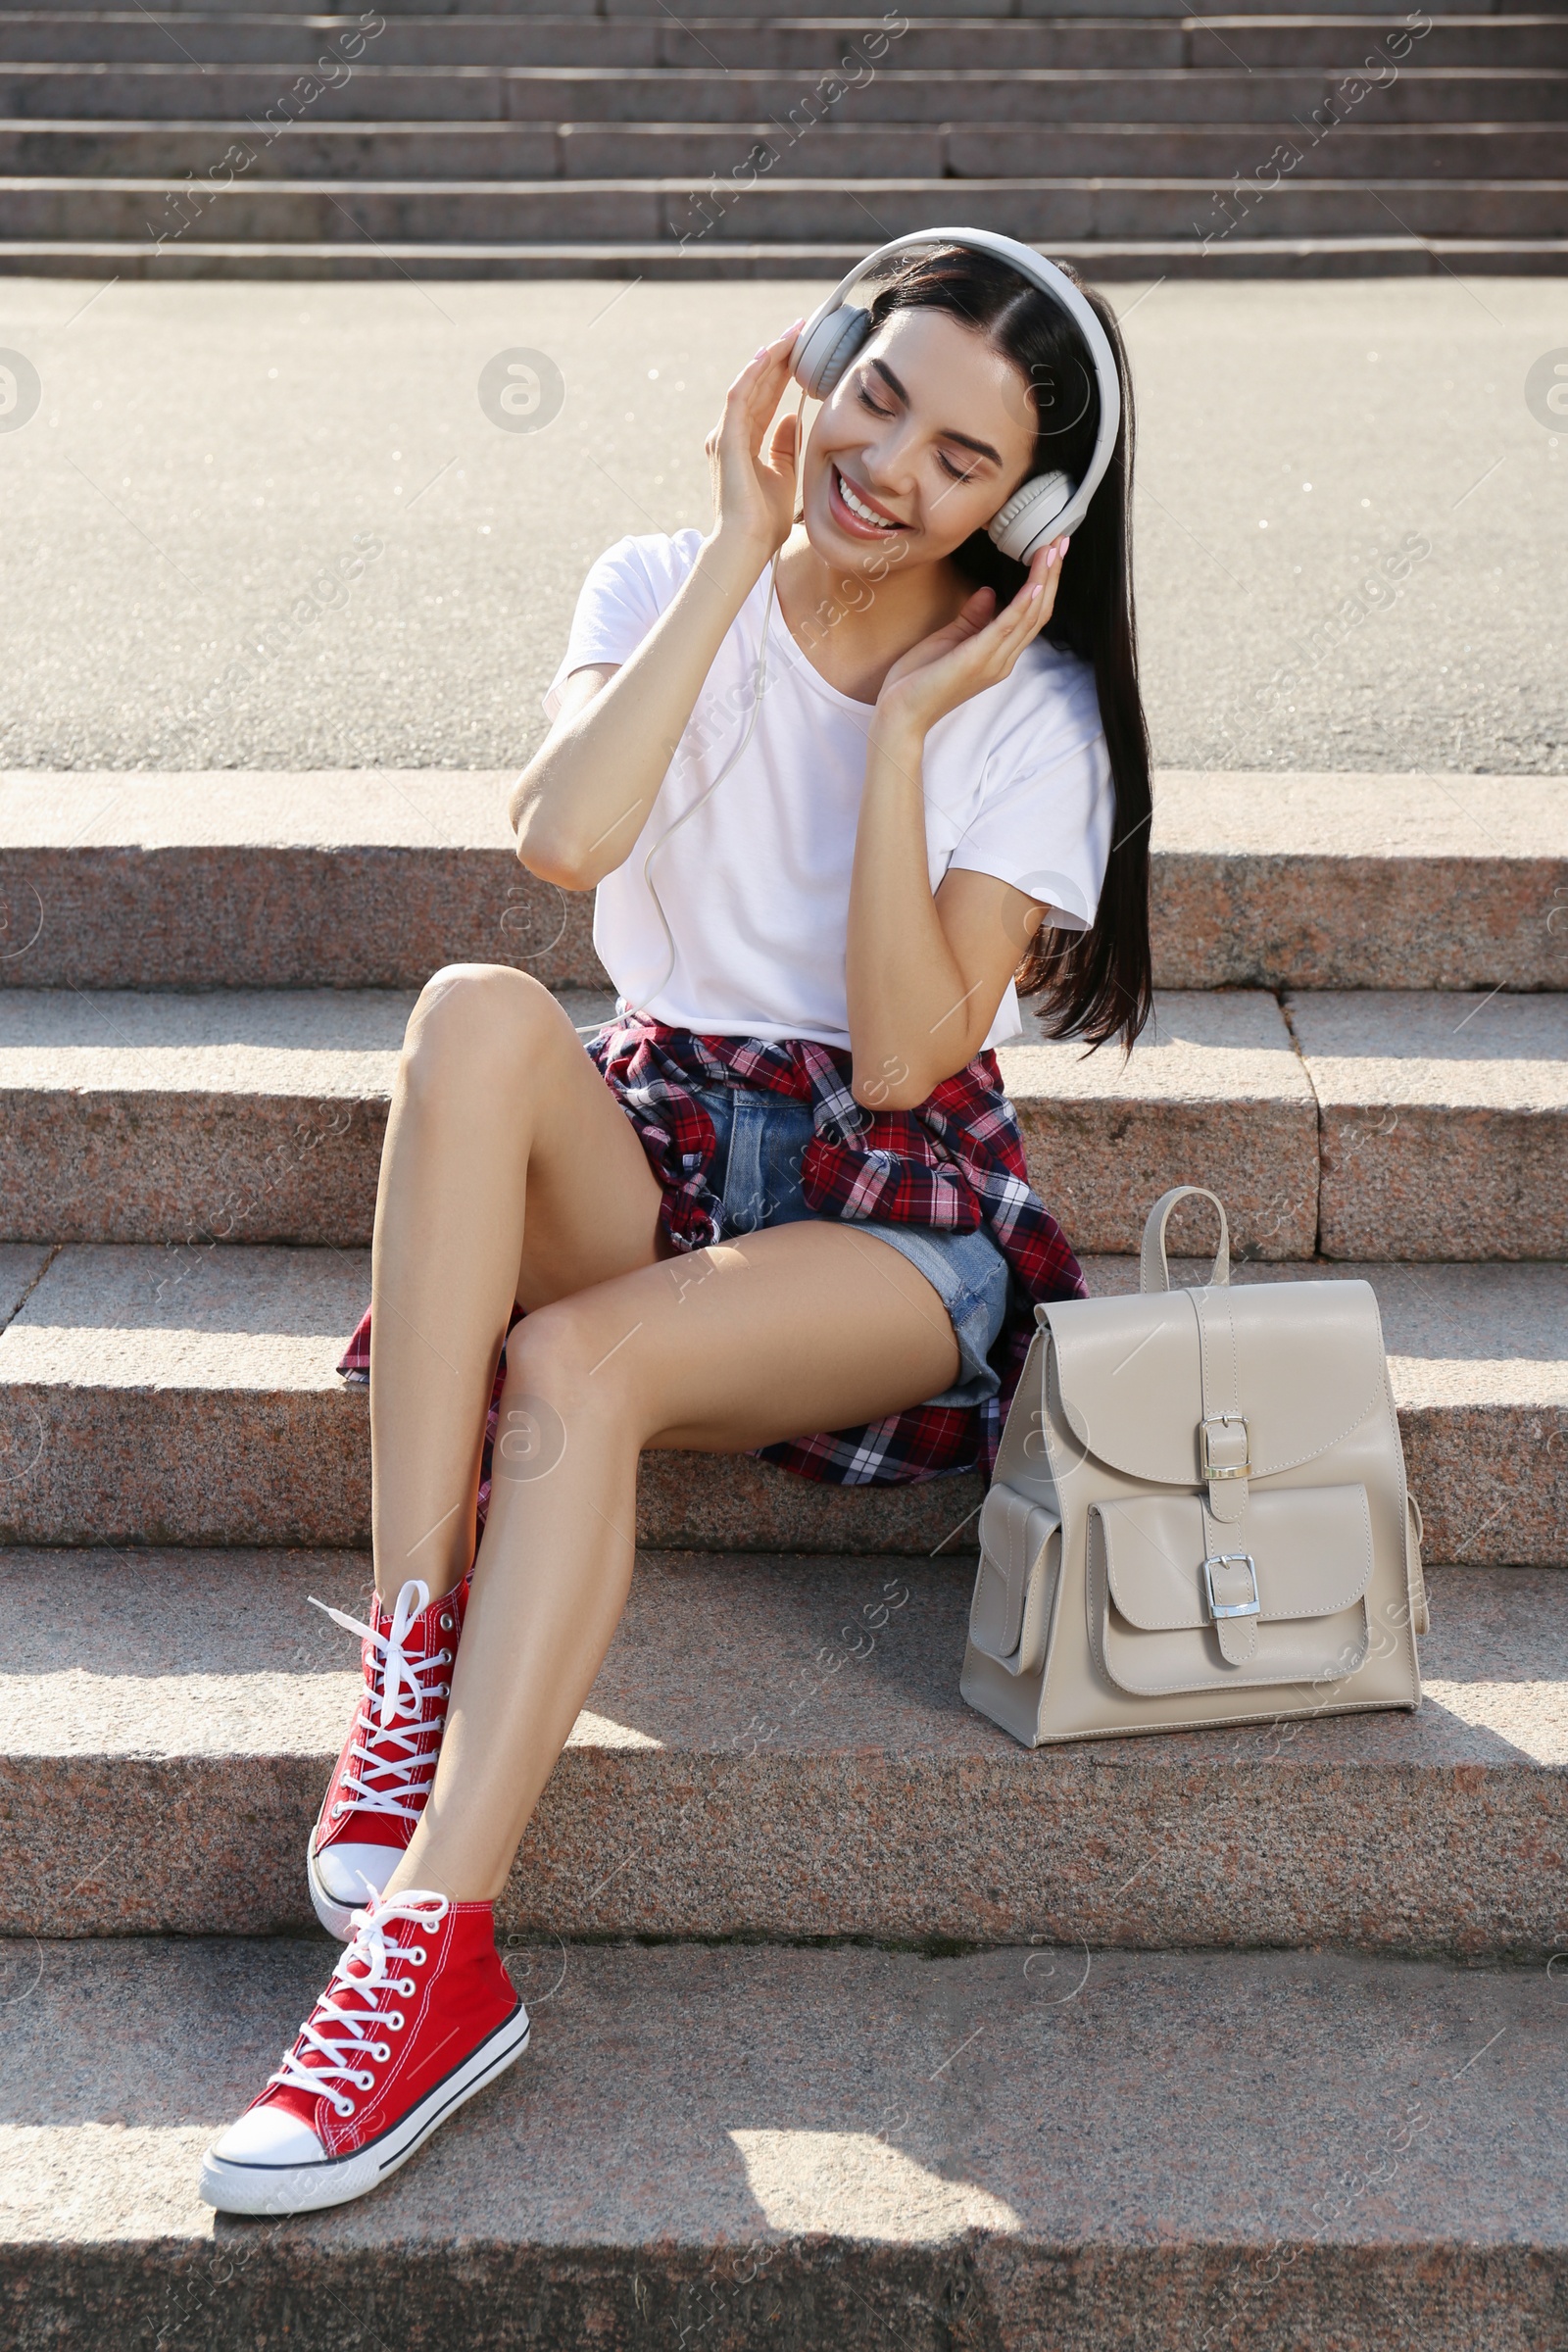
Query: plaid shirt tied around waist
x,y
955,1163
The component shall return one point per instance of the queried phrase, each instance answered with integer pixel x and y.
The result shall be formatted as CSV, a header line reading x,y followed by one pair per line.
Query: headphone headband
x,y
1044,505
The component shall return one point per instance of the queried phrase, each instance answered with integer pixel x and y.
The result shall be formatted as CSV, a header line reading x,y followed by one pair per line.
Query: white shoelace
x,y
338,2034
391,1751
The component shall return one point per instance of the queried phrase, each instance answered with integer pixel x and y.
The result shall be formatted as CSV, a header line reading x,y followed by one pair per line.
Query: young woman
x,y
779,1204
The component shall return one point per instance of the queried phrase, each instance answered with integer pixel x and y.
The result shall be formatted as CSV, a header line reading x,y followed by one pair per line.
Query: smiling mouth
x,y
857,505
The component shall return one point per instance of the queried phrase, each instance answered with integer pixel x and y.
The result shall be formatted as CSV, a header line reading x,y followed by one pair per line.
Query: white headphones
x,y
1047,504
1041,509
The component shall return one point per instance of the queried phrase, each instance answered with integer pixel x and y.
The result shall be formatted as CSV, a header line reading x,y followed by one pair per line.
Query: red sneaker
x,y
367,2080
375,1796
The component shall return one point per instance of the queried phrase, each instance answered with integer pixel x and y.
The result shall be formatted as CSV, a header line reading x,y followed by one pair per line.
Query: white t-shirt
x,y
755,885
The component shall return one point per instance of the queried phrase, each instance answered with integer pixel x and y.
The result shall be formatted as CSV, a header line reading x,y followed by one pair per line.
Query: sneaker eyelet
x,y
365,2079
380,2051
418,1956
393,2020
407,1988
445,1621
344,2105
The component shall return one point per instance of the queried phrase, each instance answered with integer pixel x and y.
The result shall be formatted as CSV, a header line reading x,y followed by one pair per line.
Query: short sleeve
x,y
1047,808
626,589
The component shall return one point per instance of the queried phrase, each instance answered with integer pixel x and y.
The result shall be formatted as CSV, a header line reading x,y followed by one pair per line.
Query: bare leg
x,y
808,1326
509,1172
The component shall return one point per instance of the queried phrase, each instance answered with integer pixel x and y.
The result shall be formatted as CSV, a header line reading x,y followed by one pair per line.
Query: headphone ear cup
x,y
822,357
1027,519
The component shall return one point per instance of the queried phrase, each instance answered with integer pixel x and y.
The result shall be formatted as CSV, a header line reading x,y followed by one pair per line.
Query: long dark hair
x,y
1096,984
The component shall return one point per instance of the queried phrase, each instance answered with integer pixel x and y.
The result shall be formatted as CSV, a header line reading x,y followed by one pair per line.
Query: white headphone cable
x,y
757,690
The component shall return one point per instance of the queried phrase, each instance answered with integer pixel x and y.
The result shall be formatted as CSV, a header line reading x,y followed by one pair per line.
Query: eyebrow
x,y
964,440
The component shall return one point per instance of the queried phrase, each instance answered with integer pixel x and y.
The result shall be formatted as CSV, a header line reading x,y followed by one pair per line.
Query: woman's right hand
x,y
753,487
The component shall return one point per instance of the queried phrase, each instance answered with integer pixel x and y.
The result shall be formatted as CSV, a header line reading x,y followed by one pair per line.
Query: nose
x,y
886,458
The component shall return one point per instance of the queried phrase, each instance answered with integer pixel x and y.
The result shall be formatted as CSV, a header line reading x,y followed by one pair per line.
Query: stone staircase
x,y
855,2023
624,141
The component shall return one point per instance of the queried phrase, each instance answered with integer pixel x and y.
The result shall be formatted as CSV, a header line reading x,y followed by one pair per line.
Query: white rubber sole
x,y
267,2188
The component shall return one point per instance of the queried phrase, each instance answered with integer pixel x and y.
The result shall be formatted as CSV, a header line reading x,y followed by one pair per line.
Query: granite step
x,y
375,878
490,151
258,1116
781,43
1031,2149
1359,881
798,41
1440,1123
776,1746
259,879
348,212
1358,1129
743,93
1108,260
1444,1125
590,13
189,1397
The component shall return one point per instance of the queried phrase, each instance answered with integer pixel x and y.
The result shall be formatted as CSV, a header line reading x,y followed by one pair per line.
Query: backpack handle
x,y
1153,1267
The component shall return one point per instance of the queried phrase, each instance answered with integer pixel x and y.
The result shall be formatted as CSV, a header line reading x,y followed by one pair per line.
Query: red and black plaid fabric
x,y
953,1165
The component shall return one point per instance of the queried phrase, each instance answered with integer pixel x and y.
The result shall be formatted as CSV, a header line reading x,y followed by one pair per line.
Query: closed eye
x,y
959,473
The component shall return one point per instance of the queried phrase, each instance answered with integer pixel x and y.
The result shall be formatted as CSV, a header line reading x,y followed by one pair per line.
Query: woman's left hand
x,y
971,653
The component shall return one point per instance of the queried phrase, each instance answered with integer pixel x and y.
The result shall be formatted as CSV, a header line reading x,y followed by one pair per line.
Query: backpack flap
x,y
1283,1601
1304,1359
1015,1584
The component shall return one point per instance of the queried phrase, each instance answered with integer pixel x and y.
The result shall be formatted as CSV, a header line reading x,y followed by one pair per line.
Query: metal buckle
x,y
1228,1559
1208,1468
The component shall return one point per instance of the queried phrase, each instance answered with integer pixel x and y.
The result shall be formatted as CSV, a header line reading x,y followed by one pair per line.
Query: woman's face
x,y
927,433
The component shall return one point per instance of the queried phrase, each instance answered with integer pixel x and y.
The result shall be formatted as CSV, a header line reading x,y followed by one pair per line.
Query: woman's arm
x,y
583,799
926,973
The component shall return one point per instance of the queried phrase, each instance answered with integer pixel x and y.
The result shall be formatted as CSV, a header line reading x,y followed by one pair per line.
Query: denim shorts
x,y
759,1141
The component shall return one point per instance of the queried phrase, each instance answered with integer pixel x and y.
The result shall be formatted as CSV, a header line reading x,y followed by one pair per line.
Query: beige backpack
x,y
1199,1514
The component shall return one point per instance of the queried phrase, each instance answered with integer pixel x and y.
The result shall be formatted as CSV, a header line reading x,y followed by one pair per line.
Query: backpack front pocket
x,y
1177,1603
1020,1561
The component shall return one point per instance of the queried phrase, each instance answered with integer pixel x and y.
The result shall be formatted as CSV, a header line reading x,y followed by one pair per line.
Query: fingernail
x,y
1037,592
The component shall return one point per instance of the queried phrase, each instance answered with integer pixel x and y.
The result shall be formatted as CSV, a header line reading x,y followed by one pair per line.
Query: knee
x,y
563,1371
478,1027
